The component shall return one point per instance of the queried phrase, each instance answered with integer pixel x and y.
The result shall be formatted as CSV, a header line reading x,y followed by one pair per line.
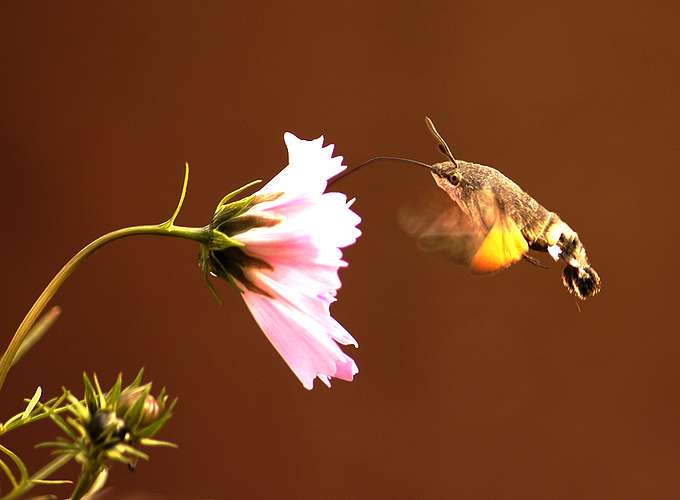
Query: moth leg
x,y
534,261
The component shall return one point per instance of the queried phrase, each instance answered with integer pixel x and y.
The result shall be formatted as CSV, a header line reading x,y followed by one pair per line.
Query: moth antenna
x,y
376,158
443,147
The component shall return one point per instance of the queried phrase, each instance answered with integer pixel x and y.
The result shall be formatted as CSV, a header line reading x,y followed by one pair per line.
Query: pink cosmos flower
x,y
285,259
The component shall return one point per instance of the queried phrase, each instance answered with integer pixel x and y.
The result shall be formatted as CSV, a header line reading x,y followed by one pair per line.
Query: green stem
x,y
166,229
43,473
87,480
42,416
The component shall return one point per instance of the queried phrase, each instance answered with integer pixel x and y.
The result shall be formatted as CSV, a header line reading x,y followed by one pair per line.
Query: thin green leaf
x,y
118,457
23,471
50,401
16,421
129,450
98,483
8,473
77,408
236,193
34,401
90,392
54,403
49,469
56,444
115,391
138,379
182,195
64,452
42,474
62,424
51,481
100,394
37,332
171,406
77,426
156,442
13,419
231,210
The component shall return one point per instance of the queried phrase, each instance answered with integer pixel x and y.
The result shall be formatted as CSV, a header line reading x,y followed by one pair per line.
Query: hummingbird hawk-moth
x,y
490,223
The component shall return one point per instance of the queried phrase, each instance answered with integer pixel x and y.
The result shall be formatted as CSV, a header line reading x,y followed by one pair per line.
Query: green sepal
x,y
204,264
77,426
153,428
162,397
101,397
113,454
221,272
79,410
90,394
114,393
133,416
157,442
220,241
138,379
231,210
236,193
126,449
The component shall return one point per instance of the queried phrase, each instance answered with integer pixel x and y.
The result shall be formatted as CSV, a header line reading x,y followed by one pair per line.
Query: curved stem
x,y
167,229
43,473
86,483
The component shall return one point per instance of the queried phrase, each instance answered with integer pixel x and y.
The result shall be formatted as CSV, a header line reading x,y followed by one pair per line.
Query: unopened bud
x,y
128,399
105,424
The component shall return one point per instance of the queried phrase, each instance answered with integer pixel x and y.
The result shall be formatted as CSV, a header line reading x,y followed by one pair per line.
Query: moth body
x,y
493,223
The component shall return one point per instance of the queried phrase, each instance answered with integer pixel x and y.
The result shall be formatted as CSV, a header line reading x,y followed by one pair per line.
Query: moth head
x,y
452,180
461,181
448,172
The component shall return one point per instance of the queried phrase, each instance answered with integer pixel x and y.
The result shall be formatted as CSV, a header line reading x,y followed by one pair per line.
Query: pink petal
x,y
305,299
300,340
303,252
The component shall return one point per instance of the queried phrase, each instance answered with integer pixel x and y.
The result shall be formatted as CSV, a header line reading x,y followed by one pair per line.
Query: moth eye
x,y
454,179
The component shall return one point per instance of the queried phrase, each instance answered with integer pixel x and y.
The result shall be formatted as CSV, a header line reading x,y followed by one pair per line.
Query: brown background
x,y
470,388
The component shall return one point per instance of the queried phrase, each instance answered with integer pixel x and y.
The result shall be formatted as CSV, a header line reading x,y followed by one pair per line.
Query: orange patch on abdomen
x,y
503,246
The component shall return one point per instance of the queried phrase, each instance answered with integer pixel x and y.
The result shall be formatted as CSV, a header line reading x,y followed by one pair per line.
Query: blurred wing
x,y
478,233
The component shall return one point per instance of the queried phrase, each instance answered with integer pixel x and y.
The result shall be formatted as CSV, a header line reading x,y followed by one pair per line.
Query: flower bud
x,y
129,398
105,424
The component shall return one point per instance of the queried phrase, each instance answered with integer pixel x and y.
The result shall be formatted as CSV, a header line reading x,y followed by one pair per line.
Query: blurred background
x,y
469,387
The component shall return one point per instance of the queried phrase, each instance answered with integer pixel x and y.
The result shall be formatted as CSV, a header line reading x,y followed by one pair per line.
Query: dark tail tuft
x,y
583,282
